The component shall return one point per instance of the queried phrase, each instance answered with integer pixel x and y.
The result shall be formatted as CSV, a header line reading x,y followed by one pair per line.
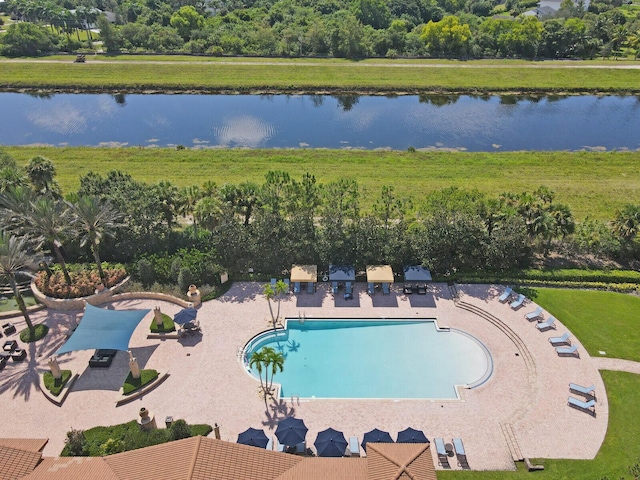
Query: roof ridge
x,y
196,451
404,467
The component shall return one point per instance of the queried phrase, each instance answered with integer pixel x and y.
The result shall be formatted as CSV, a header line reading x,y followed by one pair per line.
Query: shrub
x,y
76,443
53,385
185,278
112,446
39,331
179,429
145,272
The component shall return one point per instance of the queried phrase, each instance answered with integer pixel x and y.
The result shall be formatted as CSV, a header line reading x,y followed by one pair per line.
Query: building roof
x,y
72,468
379,274
304,273
327,469
342,273
17,462
400,461
28,444
416,273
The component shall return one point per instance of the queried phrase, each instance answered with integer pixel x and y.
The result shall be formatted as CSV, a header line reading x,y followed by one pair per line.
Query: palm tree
x,y
258,361
14,258
275,360
274,294
627,223
94,220
42,173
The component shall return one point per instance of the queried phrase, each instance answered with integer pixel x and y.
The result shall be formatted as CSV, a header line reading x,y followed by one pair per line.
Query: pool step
x,y
512,442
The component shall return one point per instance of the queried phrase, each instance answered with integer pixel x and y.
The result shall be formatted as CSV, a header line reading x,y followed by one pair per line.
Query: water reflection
x,y
244,131
347,102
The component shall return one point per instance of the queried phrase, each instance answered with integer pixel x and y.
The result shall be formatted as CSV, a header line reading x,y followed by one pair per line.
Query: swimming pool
x,y
370,358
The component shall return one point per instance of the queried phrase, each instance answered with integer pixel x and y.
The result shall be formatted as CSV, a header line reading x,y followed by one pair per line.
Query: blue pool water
x,y
374,359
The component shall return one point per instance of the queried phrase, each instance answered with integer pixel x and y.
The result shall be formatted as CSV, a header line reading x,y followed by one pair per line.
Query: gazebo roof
x,y
379,274
416,273
342,273
103,329
304,273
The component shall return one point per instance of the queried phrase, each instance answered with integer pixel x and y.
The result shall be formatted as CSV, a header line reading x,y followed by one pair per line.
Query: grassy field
x,y
137,74
592,183
603,321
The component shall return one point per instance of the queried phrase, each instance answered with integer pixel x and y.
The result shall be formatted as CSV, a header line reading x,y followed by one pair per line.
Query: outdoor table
x,y
449,449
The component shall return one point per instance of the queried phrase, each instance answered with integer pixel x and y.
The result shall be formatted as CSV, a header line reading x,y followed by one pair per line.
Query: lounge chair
x,y
536,314
407,289
443,457
589,391
334,287
518,302
287,282
371,288
589,407
385,289
274,442
550,323
563,340
422,288
505,295
568,351
296,287
311,287
354,447
273,283
460,453
348,289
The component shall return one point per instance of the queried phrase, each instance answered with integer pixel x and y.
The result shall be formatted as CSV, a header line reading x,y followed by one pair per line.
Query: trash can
x,y
168,421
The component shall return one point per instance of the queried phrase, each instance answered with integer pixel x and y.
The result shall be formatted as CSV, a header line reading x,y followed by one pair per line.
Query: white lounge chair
x,y
354,447
550,323
568,351
563,340
334,287
589,407
505,295
370,288
296,287
517,303
273,283
460,453
385,289
537,313
589,391
287,282
443,457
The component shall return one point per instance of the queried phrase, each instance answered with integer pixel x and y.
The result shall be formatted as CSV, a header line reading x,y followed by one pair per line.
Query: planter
x,y
96,299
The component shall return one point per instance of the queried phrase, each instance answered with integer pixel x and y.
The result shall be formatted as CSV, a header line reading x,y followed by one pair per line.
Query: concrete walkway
x,y
209,382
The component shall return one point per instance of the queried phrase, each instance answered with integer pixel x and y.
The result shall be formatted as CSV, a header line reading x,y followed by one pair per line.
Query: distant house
x,y
110,16
549,7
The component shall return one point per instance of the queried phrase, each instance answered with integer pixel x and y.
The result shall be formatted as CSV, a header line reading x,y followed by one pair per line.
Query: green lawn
x,y
604,321
620,449
591,183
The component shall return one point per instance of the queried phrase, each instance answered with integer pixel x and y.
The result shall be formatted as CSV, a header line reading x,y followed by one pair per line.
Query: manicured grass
x,y
316,75
53,385
40,331
132,436
132,384
602,321
591,183
9,304
167,325
620,449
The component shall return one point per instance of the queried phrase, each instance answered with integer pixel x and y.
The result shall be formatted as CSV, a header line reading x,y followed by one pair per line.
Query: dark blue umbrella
x,y
330,443
375,436
253,437
291,431
411,435
185,316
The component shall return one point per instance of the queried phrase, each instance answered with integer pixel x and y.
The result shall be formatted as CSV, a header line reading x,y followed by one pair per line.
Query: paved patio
x,y
208,383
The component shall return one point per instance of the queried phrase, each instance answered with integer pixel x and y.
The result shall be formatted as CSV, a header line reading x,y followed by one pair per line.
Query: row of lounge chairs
x,y
445,451
507,296
562,344
587,405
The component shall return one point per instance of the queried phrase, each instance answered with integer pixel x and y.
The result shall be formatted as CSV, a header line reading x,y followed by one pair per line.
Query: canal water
x,y
457,122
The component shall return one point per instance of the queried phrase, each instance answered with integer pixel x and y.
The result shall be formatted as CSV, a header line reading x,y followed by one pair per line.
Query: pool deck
x,y
526,397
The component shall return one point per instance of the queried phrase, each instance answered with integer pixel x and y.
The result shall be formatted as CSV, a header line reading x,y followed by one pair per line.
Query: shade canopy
x,y
330,443
379,274
375,436
254,438
291,431
342,273
103,329
304,273
185,315
416,273
411,435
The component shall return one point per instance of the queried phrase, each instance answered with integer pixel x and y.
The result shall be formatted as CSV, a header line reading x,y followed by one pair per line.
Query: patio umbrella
x,y
330,443
411,435
253,437
291,431
375,436
185,316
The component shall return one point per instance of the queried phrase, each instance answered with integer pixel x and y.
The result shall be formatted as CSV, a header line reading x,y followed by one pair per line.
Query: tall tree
x,y
275,294
42,174
275,360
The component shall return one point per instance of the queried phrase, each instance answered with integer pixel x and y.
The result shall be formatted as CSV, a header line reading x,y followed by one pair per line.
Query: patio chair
x,y
18,355
348,288
422,288
443,457
536,314
334,287
371,288
505,295
296,287
9,329
354,447
287,282
385,289
273,283
589,391
550,323
563,340
460,453
311,287
518,302
3,362
571,351
407,289
589,407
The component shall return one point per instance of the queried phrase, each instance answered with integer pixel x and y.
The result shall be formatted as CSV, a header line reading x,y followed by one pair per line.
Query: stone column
x,y
133,365
157,314
55,368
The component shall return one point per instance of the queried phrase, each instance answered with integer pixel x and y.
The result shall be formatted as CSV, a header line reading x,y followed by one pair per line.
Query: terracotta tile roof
x,y
327,469
16,463
28,444
72,468
387,461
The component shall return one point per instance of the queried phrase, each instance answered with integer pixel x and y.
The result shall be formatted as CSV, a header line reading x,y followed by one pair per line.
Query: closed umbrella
x,y
330,443
411,435
291,431
375,436
185,316
253,437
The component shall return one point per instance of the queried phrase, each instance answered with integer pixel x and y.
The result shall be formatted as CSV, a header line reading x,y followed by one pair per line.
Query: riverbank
x,y
163,74
591,183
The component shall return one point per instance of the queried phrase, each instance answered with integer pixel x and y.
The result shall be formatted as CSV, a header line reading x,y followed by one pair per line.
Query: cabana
x,y
382,274
304,274
419,275
342,274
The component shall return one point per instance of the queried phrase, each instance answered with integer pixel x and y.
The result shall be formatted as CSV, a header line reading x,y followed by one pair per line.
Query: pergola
x,y
304,274
416,273
379,274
